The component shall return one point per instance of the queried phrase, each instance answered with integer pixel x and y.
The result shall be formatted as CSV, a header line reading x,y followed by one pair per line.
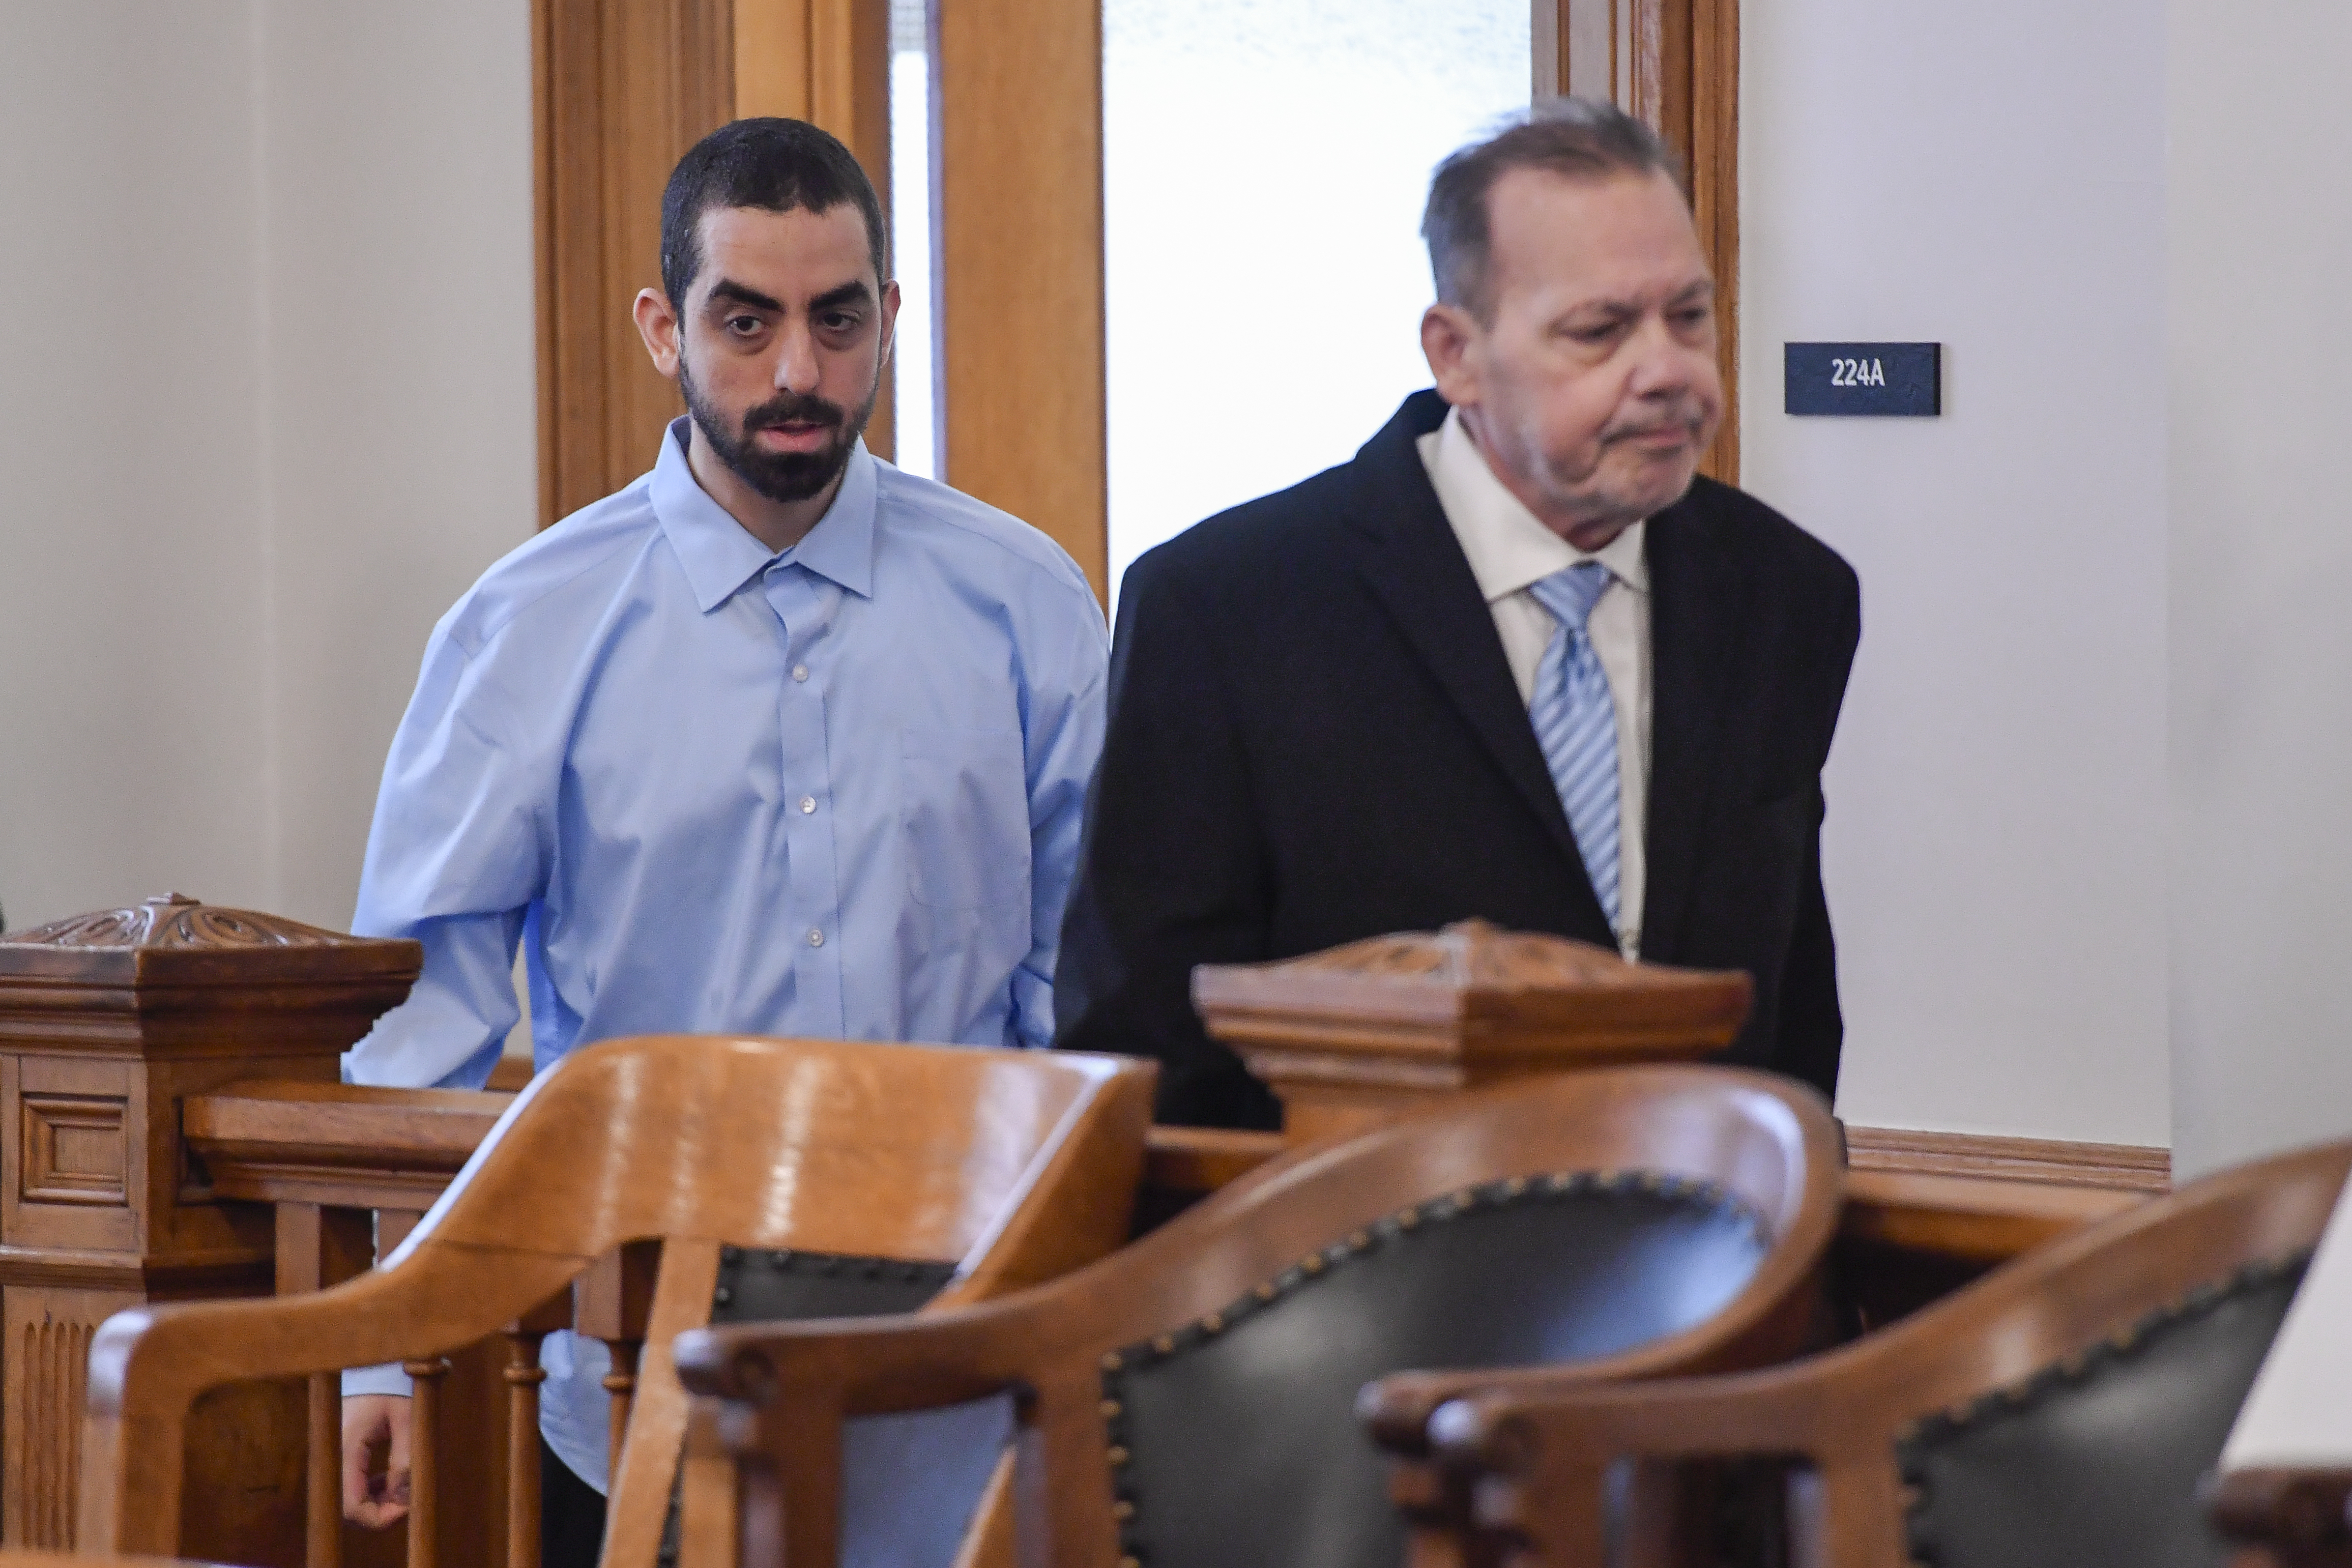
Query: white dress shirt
x,y
1509,551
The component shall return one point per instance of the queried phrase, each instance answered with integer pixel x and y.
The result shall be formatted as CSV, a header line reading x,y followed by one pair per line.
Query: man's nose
x,y
1663,364
796,367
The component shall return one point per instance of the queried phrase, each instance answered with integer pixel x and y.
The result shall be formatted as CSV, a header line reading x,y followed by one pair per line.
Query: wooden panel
x,y
47,1347
75,1150
827,62
771,58
1021,299
2049,1162
1675,64
1928,1212
625,87
108,1021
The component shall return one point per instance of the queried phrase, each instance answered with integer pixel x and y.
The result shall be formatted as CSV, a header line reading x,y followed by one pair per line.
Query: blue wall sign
x,y
1865,378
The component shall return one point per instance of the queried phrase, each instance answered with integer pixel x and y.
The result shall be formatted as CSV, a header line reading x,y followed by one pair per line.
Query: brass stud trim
x,y
2069,1369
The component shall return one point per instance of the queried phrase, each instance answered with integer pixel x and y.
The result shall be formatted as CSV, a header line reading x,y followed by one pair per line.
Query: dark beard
x,y
779,475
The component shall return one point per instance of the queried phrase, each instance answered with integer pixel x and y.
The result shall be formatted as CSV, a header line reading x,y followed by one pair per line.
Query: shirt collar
x,y
1508,549
719,555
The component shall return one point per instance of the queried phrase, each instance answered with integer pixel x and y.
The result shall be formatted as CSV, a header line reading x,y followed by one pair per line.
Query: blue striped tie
x,y
1576,724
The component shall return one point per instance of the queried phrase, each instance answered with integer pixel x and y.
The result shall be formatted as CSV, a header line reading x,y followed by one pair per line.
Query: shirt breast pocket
x,y
964,807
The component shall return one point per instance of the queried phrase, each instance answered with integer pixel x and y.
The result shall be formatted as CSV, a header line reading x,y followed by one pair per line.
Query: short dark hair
x,y
1576,137
775,166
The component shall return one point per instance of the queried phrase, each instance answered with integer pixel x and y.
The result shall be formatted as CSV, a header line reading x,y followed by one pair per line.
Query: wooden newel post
x,y
1376,1029
108,1021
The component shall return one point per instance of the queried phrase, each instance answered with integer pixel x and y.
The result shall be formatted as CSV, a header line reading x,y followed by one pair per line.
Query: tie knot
x,y
1570,594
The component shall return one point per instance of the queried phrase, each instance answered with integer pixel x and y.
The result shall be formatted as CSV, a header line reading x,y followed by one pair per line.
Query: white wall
x,y
133,655
401,406
2259,313
266,404
1988,176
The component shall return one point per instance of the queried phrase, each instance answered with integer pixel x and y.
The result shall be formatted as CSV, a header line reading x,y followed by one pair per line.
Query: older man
x,y
1516,660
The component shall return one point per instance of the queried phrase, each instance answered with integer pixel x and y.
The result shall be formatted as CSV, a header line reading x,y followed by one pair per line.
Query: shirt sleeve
x,y
1065,739
454,857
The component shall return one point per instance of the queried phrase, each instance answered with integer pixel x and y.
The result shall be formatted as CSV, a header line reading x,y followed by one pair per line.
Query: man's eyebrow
x,y
727,289
850,294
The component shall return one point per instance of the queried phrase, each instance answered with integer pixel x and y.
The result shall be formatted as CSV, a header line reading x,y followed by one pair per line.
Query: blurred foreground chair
x,y
790,1177
2059,1413
1188,1400
10,1558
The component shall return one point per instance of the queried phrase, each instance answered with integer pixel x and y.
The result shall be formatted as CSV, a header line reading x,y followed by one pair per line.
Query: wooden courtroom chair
x,y
813,1176
1188,1399
2061,1411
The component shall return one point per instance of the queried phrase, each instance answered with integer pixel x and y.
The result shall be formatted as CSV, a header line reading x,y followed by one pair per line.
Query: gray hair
x,y
1576,137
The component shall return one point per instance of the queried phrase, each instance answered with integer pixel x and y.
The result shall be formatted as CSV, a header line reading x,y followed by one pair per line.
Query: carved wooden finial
x,y
176,923
1355,1033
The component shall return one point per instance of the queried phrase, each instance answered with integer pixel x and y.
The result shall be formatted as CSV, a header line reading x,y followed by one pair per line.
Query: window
x,y
1265,165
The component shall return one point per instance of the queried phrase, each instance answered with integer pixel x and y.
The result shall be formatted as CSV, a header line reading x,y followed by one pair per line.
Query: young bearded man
x,y
777,739
1516,660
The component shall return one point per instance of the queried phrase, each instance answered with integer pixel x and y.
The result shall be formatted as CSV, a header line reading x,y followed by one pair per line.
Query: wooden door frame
x,y
623,87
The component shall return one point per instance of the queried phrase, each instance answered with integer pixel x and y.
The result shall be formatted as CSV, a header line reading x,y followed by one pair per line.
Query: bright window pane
x,y
1265,165
911,233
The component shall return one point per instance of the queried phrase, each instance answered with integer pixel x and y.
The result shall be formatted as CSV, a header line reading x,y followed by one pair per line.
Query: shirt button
x,y
808,804
816,937
800,672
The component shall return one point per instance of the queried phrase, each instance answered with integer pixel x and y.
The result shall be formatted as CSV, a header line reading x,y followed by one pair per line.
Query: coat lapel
x,y
1697,607
1414,565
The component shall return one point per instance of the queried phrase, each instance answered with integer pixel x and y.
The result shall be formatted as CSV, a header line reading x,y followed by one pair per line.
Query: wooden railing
x,y
177,1133
349,1171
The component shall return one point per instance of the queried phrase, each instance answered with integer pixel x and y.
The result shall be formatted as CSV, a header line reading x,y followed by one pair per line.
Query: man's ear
x,y
1447,334
890,302
657,324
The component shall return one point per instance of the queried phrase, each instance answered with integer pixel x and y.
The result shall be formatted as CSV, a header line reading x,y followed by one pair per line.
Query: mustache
x,y
794,408
1690,418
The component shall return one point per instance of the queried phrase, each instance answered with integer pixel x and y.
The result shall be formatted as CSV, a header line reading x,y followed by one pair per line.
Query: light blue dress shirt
x,y
834,791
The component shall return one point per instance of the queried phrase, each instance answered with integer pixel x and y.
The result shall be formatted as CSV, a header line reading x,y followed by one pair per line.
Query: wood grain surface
x,y
1020,207
1536,1452
109,1022
906,1152
1394,1023
1771,1143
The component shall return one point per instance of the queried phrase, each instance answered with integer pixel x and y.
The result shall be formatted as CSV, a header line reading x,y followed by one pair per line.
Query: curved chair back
x,y
2061,1411
989,1169
1188,1399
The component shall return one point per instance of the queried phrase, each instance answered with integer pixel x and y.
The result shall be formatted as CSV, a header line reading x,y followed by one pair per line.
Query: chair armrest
x,y
909,1360
149,1365
786,1388
1509,1423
